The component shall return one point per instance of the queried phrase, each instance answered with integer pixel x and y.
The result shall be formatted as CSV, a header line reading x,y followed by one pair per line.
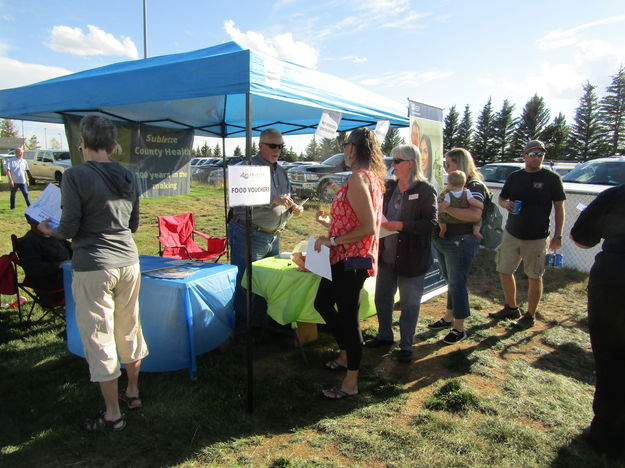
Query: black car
x,y
305,179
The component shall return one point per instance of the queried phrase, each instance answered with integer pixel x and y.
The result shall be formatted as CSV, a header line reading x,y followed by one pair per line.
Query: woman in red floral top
x,y
354,227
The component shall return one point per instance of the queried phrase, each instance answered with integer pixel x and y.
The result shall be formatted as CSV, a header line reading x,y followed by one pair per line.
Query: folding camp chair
x,y
51,301
176,239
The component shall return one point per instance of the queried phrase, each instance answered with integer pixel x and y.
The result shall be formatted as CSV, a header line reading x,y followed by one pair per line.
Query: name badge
x,y
414,196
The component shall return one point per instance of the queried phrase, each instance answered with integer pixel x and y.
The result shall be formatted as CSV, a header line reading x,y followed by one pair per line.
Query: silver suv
x,y
600,171
47,165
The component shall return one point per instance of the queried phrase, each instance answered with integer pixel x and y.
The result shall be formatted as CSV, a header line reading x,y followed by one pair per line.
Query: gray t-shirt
x,y
100,205
268,217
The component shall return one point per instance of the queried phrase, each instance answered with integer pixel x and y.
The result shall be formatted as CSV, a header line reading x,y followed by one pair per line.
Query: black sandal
x,y
133,402
99,423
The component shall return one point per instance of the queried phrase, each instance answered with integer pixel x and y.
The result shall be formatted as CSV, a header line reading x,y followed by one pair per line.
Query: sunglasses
x,y
272,145
398,161
536,154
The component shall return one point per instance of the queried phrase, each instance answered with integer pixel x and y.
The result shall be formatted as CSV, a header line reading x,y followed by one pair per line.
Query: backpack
x,y
492,221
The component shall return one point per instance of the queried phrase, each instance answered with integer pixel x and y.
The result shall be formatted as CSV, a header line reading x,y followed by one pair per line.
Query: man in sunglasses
x,y
528,194
267,222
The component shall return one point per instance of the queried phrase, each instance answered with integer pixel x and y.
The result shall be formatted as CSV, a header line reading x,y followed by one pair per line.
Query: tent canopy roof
x,y
204,90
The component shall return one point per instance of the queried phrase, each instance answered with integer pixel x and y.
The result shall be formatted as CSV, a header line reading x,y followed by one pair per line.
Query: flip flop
x,y
130,401
99,423
334,366
337,393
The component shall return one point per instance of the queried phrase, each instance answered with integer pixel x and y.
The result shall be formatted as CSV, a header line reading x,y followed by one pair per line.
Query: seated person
x,y
42,258
458,197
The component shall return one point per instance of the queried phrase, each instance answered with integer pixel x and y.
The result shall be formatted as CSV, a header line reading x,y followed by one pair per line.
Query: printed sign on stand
x,y
328,124
249,185
381,129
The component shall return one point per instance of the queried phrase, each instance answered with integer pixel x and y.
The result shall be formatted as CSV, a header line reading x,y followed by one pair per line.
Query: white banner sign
x,y
249,185
381,129
328,124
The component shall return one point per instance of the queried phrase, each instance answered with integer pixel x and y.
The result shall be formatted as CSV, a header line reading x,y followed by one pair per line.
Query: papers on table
x,y
47,206
178,268
318,262
581,207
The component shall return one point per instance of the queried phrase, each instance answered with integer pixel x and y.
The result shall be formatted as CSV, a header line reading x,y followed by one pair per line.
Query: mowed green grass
x,y
501,398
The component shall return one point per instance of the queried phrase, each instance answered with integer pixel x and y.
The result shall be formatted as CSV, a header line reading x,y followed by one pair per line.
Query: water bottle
x,y
558,260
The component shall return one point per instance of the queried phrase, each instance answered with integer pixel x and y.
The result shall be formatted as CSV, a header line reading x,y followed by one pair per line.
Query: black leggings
x,y
606,321
344,291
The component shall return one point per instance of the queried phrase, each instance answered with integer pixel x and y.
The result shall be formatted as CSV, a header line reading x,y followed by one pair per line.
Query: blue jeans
x,y
262,245
24,189
410,292
455,256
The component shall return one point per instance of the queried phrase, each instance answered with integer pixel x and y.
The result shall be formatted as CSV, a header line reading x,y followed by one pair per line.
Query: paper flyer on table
x,y
47,206
385,232
318,262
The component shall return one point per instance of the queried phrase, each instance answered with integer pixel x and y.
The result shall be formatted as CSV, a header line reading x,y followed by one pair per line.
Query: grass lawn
x,y
500,398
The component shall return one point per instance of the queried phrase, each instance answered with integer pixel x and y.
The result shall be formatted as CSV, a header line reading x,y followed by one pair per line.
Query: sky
x,y
439,52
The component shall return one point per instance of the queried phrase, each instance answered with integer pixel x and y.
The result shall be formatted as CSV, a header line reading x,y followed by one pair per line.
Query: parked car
x,y
47,165
601,171
305,178
499,172
329,184
213,173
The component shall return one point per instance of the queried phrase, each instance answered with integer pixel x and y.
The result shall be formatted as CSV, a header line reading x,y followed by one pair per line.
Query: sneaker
x,y
377,343
441,323
405,356
506,313
455,336
525,322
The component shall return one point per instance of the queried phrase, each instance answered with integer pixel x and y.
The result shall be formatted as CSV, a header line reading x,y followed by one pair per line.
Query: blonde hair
x,y
464,161
410,153
456,179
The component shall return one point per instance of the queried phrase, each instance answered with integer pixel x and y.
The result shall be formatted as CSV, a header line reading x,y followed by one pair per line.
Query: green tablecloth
x,y
290,293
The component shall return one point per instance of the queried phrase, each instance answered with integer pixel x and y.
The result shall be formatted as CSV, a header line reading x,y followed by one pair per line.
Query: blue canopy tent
x,y
222,91
217,91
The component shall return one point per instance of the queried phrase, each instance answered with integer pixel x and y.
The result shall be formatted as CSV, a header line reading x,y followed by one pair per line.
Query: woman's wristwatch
x,y
333,241
557,237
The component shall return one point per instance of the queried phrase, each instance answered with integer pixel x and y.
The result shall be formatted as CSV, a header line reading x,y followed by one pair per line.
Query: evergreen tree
x,y
555,138
217,151
532,123
289,155
586,140
450,130
613,113
254,148
205,151
237,151
55,144
504,124
328,147
7,128
391,140
33,142
465,129
483,148
313,150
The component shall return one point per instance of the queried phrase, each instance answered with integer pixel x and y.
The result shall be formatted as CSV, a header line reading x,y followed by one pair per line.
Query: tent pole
x,y
223,150
145,29
248,242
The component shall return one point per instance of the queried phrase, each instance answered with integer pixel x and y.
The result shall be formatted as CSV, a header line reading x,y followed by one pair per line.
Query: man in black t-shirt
x,y
526,234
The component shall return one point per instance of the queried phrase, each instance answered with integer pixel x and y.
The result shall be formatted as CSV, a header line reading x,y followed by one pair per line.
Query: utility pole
x,y
145,29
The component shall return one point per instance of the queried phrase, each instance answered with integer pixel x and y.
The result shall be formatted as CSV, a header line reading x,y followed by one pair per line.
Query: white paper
x,y
385,232
329,122
381,129
580,207
47,206
249,185
318,262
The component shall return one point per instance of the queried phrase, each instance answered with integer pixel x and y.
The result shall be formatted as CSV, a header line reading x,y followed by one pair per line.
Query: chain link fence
x,y
576,199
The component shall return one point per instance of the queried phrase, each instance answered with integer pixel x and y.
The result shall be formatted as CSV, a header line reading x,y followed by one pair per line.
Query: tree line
x,y
598,128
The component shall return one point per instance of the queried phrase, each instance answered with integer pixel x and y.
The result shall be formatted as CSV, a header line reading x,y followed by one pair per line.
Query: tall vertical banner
x,y
426,132
158,157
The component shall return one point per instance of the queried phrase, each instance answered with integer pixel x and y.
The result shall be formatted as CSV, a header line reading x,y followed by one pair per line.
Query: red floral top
x,y
344,220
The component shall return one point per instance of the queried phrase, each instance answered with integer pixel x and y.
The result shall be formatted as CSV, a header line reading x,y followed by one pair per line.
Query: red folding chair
x,y
176,239
51,301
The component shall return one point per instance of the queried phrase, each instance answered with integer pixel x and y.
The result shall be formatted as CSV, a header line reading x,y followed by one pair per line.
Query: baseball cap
x,y
533,144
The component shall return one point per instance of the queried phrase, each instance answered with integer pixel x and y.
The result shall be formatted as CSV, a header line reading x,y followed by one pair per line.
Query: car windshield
x,y
598,172
336,160
62,156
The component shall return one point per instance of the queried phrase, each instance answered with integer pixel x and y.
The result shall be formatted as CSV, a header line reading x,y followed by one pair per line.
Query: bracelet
x,y
333,241
557,237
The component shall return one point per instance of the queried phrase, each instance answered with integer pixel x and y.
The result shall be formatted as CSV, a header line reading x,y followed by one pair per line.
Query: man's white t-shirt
x,y
18,168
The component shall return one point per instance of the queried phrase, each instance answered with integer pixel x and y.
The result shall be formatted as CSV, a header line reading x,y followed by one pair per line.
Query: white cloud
x,y
561,38
347,58
94,42
379,9
410,21
401,79
281,46
16,73
588,51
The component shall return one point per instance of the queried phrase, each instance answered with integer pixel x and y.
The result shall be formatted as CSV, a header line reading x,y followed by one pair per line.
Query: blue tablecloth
x,y
181,318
